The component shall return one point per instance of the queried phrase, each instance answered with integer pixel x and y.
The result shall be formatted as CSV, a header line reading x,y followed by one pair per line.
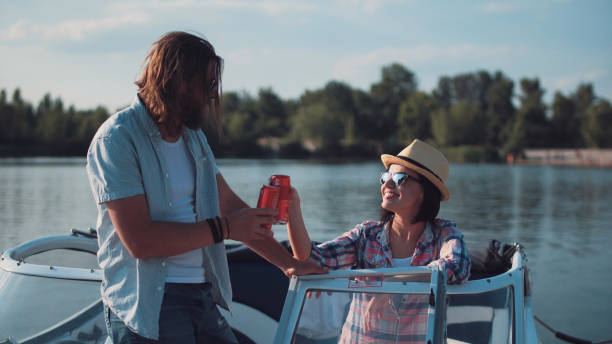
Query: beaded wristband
x,y
220,228
214,230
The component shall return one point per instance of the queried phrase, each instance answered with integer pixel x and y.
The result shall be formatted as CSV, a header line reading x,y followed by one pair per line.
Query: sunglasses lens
x,y
384,177
398,178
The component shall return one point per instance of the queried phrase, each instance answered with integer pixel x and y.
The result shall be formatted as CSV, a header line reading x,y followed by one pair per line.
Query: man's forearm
x,y
272,251
165,239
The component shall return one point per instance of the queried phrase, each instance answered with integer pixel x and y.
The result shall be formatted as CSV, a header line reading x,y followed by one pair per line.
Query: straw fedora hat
x,y
426,161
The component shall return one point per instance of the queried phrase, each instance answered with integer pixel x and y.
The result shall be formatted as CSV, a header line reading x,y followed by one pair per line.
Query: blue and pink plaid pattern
x,y
366,247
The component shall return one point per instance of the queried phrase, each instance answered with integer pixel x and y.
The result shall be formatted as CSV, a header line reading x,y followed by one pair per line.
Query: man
x,y
163,207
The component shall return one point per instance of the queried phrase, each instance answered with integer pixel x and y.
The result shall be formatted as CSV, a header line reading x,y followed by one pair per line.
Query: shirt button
x,y
170,204
163,263
159,288
167,175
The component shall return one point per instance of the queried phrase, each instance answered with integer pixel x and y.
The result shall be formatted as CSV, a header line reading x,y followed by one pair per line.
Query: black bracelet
x,y
227,225
221,234
214,230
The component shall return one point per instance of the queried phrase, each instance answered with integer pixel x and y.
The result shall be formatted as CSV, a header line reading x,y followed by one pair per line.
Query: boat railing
x,y
14,259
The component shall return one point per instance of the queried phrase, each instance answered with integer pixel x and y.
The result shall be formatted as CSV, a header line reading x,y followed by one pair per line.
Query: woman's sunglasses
x,y
397,178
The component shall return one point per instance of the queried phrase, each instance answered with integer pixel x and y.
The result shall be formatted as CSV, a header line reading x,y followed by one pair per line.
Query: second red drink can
x,y
268,198
284,184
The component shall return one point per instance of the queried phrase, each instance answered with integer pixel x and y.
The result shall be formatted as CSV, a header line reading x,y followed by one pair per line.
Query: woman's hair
x,y
429,208
175,84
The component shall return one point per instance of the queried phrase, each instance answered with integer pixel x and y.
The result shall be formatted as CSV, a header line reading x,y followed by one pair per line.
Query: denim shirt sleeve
x,y
208,151
113,169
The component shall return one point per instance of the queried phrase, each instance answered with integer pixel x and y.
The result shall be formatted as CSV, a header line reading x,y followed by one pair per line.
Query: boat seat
x,y
256,282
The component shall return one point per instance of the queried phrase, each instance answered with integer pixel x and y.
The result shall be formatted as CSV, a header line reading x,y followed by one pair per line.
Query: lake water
x,y
562,216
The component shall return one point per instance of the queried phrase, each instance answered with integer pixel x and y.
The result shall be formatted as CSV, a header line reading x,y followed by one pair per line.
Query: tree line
x,y
475,116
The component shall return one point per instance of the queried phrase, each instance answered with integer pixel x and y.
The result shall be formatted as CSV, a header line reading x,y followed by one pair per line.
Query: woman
x,y
408,234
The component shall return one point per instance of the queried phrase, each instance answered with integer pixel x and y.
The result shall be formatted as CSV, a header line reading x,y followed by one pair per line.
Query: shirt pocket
x,y
374,259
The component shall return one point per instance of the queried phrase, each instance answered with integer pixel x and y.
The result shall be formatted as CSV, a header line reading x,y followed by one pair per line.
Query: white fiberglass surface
x,y
31,304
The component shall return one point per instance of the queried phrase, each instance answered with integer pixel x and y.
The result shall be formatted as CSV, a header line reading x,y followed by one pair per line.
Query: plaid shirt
x,y
367,247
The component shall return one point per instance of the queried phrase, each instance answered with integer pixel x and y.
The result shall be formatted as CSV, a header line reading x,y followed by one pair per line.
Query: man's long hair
x,y
175,84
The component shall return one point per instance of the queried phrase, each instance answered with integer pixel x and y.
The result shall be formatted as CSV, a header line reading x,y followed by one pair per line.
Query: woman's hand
x,y
374,311
307,267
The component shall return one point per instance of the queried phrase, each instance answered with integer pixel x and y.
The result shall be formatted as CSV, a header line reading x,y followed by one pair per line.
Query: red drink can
x,y
284,183
268,198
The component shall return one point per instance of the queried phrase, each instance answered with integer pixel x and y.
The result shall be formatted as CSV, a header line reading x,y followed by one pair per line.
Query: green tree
x,y
462,124
338,99
500,111
396,84
414,120
17,120
583,98
239,123
230,102
597,127
271,114
472,88
88,123
530,129
444,92
565,123
54,126
318,124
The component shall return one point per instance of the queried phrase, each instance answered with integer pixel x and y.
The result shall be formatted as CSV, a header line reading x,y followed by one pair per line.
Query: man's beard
x,y
192,116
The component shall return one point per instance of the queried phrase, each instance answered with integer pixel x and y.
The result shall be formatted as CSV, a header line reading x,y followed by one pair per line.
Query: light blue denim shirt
x,y
124,160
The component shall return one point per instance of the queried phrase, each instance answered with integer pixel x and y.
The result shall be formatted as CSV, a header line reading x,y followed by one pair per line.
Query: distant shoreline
x,y
598,158
565,157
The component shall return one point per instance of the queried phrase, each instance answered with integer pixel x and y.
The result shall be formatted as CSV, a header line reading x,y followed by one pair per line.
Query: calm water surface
x,y
561,215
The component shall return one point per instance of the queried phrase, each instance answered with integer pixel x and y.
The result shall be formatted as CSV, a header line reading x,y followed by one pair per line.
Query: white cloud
x,y
270,7
351,67
16,32
241,57
570,81
74,30
499,7
368,6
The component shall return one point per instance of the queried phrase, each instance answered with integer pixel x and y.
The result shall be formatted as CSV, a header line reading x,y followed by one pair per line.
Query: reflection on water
x,y
561,215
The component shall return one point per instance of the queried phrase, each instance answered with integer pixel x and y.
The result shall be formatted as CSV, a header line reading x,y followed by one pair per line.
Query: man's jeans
x,y
188,315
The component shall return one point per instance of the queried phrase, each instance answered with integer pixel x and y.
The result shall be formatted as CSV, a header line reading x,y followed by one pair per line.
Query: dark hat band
x,y
418,164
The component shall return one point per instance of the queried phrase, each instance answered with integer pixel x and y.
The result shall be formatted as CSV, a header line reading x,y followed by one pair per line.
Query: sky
x,y
89,53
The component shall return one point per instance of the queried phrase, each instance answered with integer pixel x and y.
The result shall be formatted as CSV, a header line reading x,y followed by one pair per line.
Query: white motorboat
x,y
49,289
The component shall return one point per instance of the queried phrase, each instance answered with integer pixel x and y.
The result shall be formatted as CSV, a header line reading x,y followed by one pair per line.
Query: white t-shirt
x,y
186,267
401,262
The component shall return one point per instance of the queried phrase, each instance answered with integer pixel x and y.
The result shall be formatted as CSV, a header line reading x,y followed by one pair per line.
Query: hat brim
x,y
388,160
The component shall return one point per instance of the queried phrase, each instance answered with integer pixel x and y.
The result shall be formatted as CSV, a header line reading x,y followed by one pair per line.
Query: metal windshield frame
x,y
432,282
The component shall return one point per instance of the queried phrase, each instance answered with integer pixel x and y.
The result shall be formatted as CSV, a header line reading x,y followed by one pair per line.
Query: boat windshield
x,y
350,306
332,317
391,306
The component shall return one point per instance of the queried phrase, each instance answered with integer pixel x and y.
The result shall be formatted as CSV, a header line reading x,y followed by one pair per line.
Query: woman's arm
x,y
298,235
339,253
